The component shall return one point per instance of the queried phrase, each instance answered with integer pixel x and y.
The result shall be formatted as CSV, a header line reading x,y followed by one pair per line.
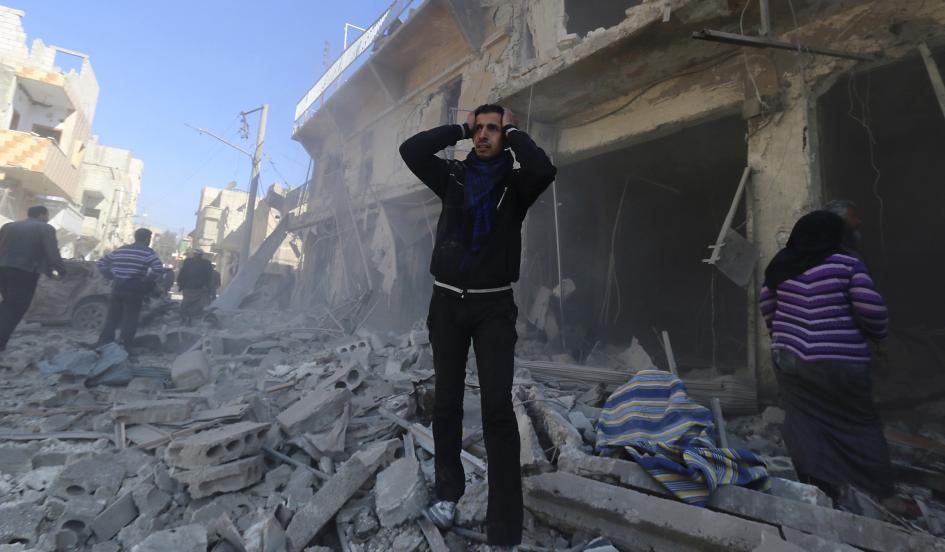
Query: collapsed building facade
x,y
652,132
48,154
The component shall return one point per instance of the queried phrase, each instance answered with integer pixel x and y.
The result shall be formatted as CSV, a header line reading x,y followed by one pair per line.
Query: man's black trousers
x,y
17,288
488,320
124,307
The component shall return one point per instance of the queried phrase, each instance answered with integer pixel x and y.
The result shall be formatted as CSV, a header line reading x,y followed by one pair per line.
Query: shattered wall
x,y
597,99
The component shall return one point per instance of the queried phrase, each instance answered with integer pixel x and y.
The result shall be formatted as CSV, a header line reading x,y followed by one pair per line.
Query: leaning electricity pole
x,y
253,184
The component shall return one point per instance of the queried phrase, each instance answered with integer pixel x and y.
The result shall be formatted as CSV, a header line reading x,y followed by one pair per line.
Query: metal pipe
x,y
765,18
756,42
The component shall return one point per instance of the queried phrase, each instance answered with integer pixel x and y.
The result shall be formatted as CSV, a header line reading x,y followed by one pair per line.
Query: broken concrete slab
x,y
266,535
331,442
532,456
152,412
314,412
558,429
115,517
795,490
813,543
222,529
149,499
98,475
471,508
216,446
401,492
858,531
19,523
191,370
630,519
308,521
771,544
226,478
335,493
187,538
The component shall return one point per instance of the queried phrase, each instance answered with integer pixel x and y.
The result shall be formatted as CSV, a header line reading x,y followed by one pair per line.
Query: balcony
x,y
38,165
46,87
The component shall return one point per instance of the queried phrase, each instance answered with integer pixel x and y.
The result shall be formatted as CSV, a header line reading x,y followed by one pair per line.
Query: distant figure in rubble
x,y
215,281
847,210
194,280
167,281
822,308
475,260
28,248
134,270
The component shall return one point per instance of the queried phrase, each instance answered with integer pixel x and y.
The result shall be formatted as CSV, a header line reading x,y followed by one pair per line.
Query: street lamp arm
x,y
212,135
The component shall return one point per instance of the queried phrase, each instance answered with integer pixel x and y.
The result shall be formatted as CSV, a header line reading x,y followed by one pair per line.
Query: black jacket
x,y
195,273
30,245
497,263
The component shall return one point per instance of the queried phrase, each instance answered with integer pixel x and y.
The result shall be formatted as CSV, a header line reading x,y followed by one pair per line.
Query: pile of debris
x,y
299,438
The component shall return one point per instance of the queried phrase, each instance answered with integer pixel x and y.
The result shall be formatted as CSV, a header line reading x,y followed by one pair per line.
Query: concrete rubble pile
x,y
293,438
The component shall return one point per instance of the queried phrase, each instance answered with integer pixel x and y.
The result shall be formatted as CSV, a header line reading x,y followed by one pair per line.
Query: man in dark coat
x,y
476,259
28,248
194,280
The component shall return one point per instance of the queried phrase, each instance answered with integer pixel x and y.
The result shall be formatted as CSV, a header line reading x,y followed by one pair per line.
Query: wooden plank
x,y
64,435
897,437
670,357
424,438
434,538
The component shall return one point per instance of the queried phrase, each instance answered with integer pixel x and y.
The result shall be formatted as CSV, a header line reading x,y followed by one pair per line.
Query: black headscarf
x,y
815,237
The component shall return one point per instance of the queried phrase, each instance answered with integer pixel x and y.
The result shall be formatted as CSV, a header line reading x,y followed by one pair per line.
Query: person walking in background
x,y
194,280
822,309
133,270
28,248
215,281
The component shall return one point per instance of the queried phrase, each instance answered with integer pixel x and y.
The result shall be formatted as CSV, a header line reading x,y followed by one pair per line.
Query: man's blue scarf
x,y
483,191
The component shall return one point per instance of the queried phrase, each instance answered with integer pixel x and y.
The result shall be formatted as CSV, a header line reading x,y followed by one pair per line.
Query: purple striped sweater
x,y
827,313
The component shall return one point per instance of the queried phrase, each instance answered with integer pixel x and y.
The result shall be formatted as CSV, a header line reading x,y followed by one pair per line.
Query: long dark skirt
x,y
832,428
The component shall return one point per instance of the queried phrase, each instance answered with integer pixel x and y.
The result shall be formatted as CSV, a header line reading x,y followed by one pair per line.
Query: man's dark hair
x,y
37,211
143,235
489,108
840,206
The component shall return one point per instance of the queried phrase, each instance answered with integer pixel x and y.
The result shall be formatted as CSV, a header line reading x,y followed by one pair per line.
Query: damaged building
x,y
689,136
48,154
652,130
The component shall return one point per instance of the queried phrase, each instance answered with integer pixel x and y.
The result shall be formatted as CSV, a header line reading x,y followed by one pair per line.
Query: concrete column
x,y
783,168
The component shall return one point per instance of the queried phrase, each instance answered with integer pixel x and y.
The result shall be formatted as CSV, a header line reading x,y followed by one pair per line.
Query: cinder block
x,y
216,446
227,478
152,412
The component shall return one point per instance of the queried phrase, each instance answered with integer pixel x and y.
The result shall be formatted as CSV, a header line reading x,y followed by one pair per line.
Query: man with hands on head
x,y
476,259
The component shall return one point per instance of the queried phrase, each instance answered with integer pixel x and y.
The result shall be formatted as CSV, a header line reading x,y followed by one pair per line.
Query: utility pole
x,y
254,184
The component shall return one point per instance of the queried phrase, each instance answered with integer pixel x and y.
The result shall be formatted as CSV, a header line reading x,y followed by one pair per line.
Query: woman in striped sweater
x,y
822,309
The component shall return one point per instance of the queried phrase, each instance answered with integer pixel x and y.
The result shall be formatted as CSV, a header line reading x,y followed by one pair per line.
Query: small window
x,y
15,121
48,132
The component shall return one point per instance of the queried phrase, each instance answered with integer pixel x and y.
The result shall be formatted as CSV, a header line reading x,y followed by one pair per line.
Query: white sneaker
x,y
442,514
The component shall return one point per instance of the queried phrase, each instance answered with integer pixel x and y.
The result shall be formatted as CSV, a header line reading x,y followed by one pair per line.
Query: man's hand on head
x,y
470,124
508,117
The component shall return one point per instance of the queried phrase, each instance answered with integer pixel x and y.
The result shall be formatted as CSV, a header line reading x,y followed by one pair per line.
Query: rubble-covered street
x,y
484,275
273,433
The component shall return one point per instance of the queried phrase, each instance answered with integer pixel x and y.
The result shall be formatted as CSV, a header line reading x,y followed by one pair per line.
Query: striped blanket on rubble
x,y
673,439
